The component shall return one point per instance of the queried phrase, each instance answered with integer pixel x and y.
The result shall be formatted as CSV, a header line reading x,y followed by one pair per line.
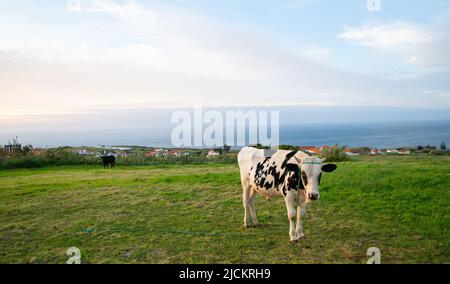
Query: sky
x,y
74,57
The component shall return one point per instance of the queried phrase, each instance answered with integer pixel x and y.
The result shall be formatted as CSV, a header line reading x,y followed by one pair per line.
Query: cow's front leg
x,y
291,204
300,214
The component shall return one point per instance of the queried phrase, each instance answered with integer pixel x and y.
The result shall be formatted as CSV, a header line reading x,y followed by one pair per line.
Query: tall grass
x,y
138,160
60,156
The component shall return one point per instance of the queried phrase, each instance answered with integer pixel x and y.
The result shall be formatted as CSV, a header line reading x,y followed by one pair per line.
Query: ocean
x,y
370,134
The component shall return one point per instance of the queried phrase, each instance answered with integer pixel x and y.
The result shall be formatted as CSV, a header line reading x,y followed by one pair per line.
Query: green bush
x,y
288,147
25,161
334,154
259,146
53,157
138,160
439,152
61,157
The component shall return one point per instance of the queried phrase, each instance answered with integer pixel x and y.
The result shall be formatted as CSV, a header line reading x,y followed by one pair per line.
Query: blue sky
x,y
174,53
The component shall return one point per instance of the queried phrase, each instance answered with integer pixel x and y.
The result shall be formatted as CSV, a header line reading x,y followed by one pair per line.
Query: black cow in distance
x,y
108,161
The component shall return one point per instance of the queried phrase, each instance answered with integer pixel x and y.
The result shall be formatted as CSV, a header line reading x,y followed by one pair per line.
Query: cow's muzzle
x,y
313,196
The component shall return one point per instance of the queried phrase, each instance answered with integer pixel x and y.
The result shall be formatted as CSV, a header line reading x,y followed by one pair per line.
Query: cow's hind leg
x,y
245,199
252,203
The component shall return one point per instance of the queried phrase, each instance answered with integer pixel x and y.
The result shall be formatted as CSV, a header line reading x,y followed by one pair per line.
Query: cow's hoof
x,y
246,226
294,241
258,225
302,237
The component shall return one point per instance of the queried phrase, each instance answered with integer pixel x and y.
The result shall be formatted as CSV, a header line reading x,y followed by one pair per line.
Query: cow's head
x,y
311,169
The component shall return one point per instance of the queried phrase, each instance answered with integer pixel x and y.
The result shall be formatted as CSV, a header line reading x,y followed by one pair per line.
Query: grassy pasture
x,y
193,214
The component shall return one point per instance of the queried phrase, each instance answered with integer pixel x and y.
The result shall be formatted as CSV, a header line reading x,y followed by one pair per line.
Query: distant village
x,y
150,152
312,150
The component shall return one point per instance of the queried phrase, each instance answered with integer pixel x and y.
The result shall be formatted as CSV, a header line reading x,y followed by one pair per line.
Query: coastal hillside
x,y
193,214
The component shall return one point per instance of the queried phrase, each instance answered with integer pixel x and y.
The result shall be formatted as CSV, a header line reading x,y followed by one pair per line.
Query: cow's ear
x,y
328,168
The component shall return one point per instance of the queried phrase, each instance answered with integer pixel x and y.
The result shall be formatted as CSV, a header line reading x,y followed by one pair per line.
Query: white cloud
x,y
412,60
298,4
317,53
424,46
391,35
160,38
164,56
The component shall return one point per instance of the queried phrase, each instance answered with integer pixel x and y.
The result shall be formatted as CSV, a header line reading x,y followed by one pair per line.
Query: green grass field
x,y
194,214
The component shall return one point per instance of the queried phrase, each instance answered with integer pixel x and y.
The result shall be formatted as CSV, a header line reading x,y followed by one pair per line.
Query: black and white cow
x,y
291,174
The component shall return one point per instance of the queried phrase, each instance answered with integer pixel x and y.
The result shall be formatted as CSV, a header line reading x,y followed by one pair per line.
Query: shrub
x,y
259,146
53,157
334,154
22,161
438,152
137,160
60,156
288,147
